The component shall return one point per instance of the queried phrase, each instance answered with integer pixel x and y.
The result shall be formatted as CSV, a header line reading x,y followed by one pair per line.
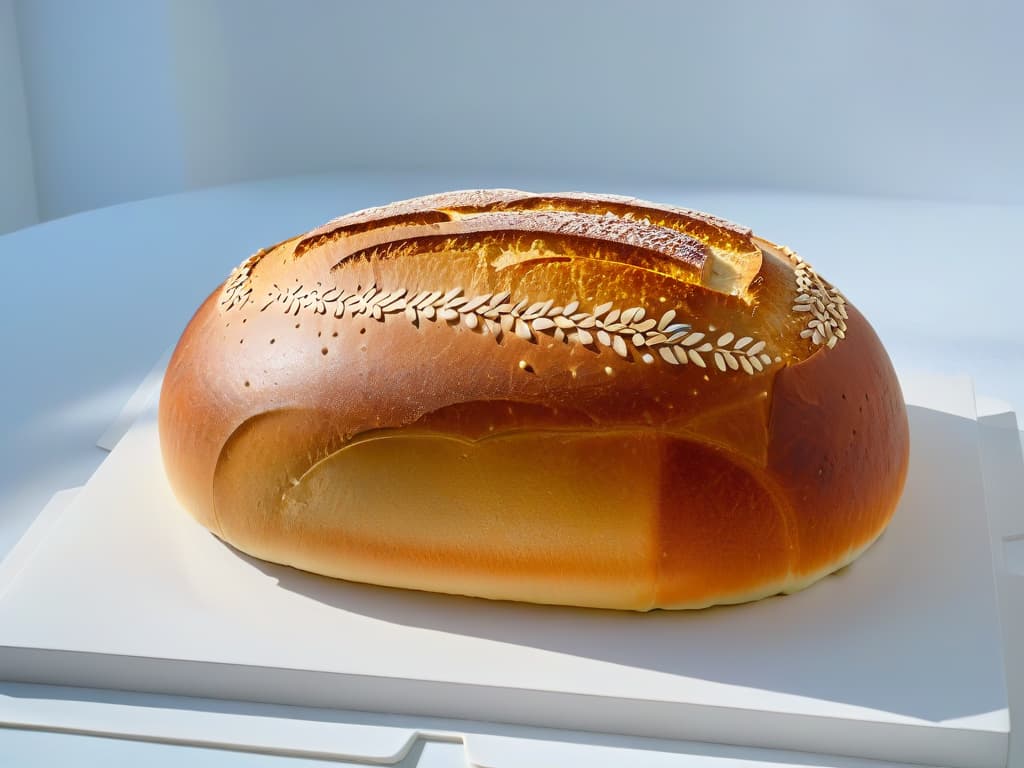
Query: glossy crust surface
x,y
559,398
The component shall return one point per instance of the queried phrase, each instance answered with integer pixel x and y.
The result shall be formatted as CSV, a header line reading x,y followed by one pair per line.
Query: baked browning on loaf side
x,y
561,398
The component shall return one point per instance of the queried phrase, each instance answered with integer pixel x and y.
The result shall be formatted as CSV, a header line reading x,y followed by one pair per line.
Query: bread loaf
x,y
559,398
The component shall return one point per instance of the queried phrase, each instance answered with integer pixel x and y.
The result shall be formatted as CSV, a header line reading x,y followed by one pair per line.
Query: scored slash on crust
x,y
623,331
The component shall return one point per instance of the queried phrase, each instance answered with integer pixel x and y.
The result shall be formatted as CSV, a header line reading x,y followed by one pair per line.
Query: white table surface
x,y
94,299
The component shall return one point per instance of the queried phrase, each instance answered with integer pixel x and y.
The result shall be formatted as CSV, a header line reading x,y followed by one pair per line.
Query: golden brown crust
x,y
665,410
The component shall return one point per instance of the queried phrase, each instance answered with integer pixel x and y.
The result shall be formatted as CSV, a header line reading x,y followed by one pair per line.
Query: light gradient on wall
x,y
911,99
17,180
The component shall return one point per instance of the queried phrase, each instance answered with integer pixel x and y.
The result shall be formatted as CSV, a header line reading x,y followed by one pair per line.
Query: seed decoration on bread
x,y
630,333
826,305
237,290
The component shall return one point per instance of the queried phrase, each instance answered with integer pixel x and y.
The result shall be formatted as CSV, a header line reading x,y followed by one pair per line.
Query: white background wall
x,y
102,101
131,98
17,182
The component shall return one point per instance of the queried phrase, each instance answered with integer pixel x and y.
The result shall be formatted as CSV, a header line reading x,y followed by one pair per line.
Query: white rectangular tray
x,y
898,657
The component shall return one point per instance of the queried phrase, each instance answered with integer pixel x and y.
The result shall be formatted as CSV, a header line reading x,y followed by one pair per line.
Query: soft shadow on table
x,y
888,632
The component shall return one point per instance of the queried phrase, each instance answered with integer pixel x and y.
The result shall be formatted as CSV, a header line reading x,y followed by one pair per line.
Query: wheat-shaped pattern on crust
x,y
237,289
824,303
630,333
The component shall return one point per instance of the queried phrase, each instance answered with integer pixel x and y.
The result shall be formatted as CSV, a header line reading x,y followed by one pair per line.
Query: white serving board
x,y
898,657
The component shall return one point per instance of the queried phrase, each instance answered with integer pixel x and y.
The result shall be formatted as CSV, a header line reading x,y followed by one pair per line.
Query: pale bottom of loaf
x,y
620,519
